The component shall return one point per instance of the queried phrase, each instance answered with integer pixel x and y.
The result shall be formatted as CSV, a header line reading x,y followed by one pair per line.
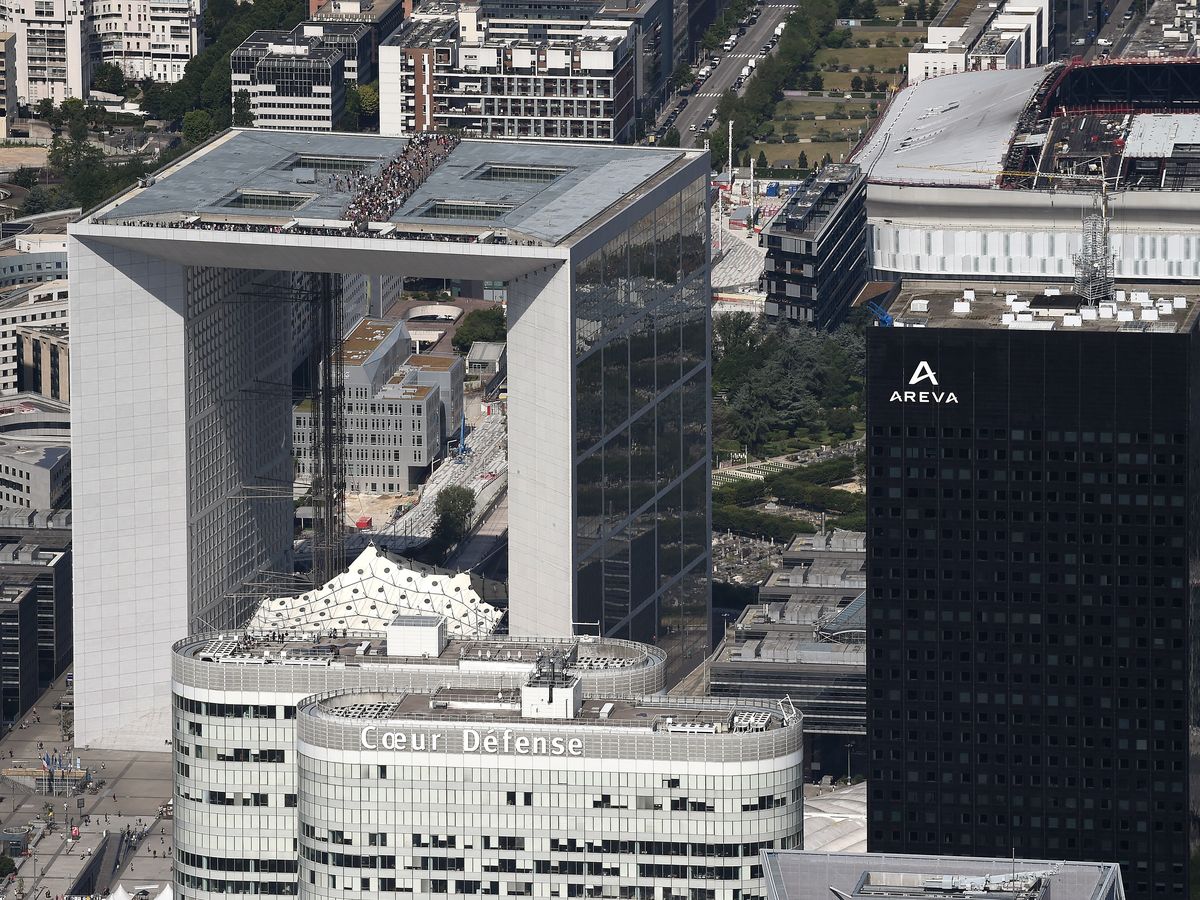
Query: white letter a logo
x,y
923,372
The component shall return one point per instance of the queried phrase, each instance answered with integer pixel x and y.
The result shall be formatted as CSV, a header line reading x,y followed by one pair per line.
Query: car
x,y
692,127
1104,42
1079,42
683,103
766,48
1128,14
716,61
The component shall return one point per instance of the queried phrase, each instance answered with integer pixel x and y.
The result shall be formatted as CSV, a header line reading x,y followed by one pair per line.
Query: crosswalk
x,y
708,94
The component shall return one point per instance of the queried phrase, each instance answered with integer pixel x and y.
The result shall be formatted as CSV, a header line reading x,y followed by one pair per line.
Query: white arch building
x,y
183,297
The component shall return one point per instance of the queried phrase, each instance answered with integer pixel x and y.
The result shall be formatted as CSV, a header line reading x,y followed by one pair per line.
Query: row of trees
x,y
779,382
805,33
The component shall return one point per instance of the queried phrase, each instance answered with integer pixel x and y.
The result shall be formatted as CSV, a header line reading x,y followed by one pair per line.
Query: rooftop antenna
x,y
1094,278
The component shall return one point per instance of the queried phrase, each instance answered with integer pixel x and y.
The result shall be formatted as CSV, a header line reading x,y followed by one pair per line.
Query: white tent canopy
x,y
372,592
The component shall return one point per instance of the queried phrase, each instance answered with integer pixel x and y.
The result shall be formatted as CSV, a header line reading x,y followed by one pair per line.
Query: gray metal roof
x,y
801,875
940,129
1155,136
594,178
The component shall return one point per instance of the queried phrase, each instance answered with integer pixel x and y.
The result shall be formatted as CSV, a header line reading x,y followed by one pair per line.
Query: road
x,y
704,100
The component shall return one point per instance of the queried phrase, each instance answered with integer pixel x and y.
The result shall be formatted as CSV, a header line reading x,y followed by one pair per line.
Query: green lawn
x,y
861,57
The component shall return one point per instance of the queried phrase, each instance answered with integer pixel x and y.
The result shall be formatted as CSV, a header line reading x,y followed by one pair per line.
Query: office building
x,y
817,248
152,39
400,407
35,305
800,875
805,640
35,556
234,712
35,453
1030,615
44,361
287,94
34,257
294,82
452,71
50,58
985,176
382,17
536,791
605,252
970,35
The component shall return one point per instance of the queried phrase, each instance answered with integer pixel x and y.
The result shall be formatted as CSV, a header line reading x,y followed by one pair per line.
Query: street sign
x,y
79,802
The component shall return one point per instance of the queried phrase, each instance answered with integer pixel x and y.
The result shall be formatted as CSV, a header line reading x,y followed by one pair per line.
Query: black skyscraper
x,y
1032,560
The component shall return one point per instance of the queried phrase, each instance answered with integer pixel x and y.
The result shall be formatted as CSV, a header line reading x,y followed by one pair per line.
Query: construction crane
x,y
882,316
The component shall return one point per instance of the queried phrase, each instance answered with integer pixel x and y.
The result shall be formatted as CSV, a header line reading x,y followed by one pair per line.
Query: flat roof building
x,y
235,707
535,790
801,875
295,81
451,70
1023,695
44,360
817,248
400,407
572,229
35,453
35,605
807,641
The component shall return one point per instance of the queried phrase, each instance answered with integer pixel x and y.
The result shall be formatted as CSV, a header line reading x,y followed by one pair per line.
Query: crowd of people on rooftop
x,y
377,197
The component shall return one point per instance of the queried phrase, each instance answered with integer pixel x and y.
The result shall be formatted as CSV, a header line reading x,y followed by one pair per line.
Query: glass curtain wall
x,y
642,476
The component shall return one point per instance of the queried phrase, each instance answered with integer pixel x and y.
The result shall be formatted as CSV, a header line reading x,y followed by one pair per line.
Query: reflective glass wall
x,y
642,365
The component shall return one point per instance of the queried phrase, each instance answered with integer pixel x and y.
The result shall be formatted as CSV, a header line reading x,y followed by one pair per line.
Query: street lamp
x,y
849,747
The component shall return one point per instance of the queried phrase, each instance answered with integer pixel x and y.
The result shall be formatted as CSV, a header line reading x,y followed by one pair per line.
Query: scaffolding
x,y
328,433
1094,278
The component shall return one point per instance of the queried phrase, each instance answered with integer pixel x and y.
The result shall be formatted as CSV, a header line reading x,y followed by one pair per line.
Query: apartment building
x,y
8,81
49,56
450,71
147,38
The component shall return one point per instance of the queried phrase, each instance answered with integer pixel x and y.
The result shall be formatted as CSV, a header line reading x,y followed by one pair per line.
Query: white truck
x,y
746,71
752,64
779,29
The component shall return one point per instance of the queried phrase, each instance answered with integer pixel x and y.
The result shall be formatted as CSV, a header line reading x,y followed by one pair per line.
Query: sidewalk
x,y
137,784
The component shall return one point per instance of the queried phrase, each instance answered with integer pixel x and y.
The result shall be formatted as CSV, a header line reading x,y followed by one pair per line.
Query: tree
x,y
816,83
761,161
870,84
682,77
351,111
746,160
910,12
922,9
25,177
856,83
455,509
671,138
44,107
7,866
197,126
802,162
109,78
479,325
368,100
243,115
935,7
